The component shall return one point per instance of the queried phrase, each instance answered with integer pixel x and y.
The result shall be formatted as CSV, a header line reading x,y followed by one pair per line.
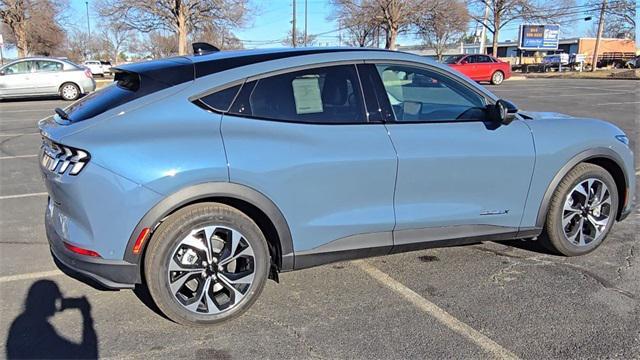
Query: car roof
x,y
207,64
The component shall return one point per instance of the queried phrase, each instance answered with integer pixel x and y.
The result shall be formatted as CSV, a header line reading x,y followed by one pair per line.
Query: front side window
x,y
47,66
18,68
422,95
327,95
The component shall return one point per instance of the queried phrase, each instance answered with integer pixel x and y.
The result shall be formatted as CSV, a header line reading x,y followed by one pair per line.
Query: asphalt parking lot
x,y
479,301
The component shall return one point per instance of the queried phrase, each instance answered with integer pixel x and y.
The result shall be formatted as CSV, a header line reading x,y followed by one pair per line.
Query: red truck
x,y
480,67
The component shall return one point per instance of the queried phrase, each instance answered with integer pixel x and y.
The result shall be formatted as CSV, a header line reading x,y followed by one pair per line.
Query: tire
x,y
69,91
497,78
173,243
576,207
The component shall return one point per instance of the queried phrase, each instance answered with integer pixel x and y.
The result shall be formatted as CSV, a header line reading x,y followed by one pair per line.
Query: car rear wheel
x,y
206,263
497,78
582,211
69,91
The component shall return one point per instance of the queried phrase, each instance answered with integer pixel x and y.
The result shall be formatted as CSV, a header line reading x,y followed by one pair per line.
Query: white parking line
x,y
10,135
29,110
29,276
17,157
620,103
22,195
441,315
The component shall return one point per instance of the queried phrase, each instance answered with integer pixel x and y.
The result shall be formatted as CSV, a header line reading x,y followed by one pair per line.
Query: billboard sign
x,y
539,37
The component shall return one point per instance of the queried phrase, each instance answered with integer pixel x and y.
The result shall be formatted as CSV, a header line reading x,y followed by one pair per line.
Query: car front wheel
x,y
206,263
582,211
497,78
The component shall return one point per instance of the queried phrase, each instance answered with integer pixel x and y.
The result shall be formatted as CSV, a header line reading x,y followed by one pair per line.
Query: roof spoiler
x,y
202,48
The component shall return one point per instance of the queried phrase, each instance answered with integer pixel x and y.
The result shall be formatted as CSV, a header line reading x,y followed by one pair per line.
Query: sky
x,y
271,22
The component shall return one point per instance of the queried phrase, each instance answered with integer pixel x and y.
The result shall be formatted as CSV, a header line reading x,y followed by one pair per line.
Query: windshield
x,y
453,59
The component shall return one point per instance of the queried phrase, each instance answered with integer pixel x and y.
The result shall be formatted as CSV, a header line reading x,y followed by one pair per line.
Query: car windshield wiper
x,y
63,115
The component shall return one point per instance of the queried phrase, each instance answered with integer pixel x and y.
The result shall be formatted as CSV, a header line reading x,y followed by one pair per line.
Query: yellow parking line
x,y
440,314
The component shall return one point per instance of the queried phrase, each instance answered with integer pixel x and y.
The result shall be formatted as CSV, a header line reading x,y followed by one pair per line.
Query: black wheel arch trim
x,y
198,192
599,152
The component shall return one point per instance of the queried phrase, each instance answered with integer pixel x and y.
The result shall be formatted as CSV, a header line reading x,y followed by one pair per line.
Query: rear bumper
x,y
112,274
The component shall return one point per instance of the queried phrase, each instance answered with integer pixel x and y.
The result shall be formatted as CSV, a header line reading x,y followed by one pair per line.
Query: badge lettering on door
x,y
494,212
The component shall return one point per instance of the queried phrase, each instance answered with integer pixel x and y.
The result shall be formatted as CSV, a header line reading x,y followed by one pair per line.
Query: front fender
x,y
562,143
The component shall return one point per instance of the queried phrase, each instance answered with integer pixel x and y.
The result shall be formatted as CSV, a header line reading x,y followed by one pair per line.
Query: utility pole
x,y
293,25
305,23
483,33
88,29
594,60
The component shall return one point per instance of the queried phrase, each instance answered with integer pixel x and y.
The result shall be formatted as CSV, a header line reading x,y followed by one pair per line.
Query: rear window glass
x,y
125,88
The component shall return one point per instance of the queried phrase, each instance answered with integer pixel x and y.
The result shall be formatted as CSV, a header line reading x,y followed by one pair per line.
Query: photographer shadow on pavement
x,y
32,336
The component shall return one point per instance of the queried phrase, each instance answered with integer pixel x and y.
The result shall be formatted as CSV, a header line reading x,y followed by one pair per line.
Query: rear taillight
x,y
88,73
60,158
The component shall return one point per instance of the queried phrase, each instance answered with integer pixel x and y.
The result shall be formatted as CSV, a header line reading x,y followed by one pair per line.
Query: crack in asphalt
x,y
627,259
301,338
546,260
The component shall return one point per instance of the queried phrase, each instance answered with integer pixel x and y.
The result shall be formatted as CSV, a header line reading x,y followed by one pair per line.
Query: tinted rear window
x,y
124,89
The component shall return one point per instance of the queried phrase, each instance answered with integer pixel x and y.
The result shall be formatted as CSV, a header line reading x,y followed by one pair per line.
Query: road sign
x,y
539,37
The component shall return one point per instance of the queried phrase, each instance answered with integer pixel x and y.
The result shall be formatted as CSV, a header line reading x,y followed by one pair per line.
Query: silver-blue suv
x,y
201,177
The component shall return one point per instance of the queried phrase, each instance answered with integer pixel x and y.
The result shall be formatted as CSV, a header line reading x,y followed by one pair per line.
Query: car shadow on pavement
x,y
32,336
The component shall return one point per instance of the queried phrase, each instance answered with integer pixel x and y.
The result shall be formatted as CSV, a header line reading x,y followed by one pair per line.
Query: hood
x,y
535,115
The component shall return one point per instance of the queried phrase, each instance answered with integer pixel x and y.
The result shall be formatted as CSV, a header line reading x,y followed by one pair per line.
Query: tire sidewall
x,y
157,262
562,243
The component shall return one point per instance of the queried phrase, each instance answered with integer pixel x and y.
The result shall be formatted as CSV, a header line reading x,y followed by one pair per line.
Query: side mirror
x,y
1,72
503,112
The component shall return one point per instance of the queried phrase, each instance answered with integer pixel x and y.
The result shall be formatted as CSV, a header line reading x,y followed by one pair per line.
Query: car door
x,y
303,139
484,65
458,174
16,79
469,67
46,76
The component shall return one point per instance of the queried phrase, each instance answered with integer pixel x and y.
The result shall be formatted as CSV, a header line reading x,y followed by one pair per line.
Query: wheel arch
x,y
603,157
254,204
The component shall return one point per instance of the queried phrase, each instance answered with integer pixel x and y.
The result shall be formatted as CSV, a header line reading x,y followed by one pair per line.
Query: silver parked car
x,y
42,76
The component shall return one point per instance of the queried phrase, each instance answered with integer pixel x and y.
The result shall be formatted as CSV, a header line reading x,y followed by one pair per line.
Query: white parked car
x,y
42,76
95,66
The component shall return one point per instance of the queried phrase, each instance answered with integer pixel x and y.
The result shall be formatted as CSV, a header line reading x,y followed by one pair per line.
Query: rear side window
x,y
326,95
47,66
221,100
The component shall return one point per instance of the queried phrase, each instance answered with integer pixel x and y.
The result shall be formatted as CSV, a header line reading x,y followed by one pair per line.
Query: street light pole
x,y
293,25
86,3
594,60
305,23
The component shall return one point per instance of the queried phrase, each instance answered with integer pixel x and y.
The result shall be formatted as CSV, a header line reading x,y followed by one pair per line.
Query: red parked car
x,y
481,67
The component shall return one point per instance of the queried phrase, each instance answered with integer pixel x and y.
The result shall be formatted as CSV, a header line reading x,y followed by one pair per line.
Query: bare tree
x,y
503,12
360,25
393,16
444,25
219,37
115,35
619,20
181,17
311,39
33,25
